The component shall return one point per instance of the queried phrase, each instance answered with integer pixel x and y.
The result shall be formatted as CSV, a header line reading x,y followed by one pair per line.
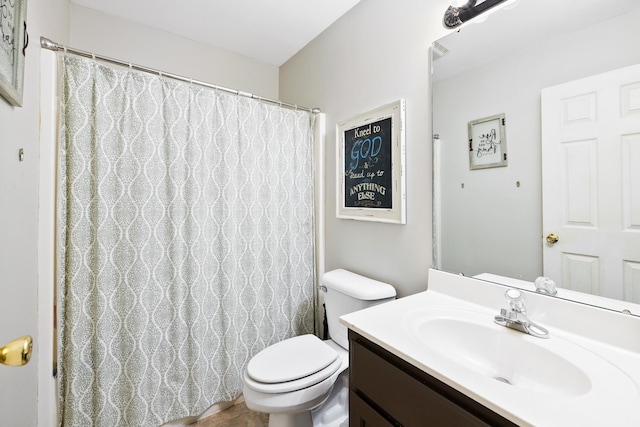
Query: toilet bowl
x,y
303,381
292,377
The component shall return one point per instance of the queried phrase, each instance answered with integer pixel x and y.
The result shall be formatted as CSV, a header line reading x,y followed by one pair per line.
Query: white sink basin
x,y
466,343
579,376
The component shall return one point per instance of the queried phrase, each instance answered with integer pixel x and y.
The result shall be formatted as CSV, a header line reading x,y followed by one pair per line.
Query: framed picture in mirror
x,y
13,42
487,142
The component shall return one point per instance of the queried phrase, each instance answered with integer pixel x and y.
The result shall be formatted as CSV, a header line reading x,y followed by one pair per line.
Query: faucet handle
x,y
544,285
515,300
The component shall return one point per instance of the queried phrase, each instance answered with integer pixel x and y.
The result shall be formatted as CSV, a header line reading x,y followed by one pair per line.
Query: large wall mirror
x,y
563,199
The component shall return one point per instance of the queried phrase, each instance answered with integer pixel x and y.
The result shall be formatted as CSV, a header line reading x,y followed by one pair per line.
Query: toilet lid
x,y
291,359
299,384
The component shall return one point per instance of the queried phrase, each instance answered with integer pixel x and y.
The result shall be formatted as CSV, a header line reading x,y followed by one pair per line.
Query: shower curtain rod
x,y
46,43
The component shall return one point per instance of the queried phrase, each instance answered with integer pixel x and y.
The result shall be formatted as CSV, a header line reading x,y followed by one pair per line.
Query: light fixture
x,y
461,11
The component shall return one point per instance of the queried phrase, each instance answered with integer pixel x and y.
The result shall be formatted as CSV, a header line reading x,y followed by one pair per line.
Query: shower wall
x,y
111,36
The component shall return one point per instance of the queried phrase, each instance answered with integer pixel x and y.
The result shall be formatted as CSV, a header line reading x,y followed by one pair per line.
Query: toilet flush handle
x,y
323,288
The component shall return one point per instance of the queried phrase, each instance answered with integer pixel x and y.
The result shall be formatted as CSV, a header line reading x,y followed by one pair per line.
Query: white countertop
x,y
588,336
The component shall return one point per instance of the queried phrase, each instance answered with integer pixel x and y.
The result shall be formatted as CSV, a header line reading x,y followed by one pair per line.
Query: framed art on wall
x,y
13,42
487,142
370,162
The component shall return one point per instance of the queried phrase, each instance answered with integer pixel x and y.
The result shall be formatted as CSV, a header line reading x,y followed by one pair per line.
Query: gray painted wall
x,y
377,53
19,181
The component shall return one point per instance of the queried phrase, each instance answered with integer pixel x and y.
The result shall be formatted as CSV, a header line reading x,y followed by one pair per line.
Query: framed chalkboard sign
x,y
370,160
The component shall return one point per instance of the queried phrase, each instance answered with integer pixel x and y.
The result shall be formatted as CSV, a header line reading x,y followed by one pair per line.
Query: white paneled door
x,y
591,184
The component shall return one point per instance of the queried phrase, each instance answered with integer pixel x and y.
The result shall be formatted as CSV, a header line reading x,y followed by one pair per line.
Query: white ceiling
x,y
271,31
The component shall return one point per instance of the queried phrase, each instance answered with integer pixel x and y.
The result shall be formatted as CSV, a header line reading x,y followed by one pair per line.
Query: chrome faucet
x,y
515,316
546,286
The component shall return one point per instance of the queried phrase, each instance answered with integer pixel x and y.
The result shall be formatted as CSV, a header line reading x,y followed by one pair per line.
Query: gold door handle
x,y
17,352
552,238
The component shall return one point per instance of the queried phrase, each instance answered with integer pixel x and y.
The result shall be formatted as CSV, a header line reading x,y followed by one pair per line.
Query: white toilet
x,y
303,381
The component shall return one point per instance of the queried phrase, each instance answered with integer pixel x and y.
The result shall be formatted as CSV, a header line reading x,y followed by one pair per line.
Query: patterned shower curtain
x,y
185,242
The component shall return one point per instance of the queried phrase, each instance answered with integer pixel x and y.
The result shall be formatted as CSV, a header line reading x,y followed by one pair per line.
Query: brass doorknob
x,y
552,238
17,352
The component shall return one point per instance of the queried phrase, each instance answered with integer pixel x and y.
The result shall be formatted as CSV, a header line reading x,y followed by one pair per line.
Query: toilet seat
x,y
292,364
299,384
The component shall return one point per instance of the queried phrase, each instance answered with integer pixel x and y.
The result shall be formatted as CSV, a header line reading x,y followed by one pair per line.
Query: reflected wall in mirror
x,y
494,222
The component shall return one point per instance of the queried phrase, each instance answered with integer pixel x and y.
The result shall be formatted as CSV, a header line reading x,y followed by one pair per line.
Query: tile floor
x,y
235,416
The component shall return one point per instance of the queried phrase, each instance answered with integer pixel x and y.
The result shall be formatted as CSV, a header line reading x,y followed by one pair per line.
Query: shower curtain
x,y
185,242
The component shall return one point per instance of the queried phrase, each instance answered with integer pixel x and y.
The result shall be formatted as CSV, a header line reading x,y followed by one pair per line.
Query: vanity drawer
x,y
363,415
404,395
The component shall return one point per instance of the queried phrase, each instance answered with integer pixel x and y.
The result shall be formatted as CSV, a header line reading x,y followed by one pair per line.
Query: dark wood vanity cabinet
x,y
385,390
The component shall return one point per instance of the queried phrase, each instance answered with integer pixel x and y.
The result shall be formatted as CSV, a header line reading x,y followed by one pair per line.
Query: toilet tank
x,y
346,292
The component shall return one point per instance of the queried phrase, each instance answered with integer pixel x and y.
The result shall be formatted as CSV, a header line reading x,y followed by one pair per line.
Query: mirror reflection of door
x,y
591,183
